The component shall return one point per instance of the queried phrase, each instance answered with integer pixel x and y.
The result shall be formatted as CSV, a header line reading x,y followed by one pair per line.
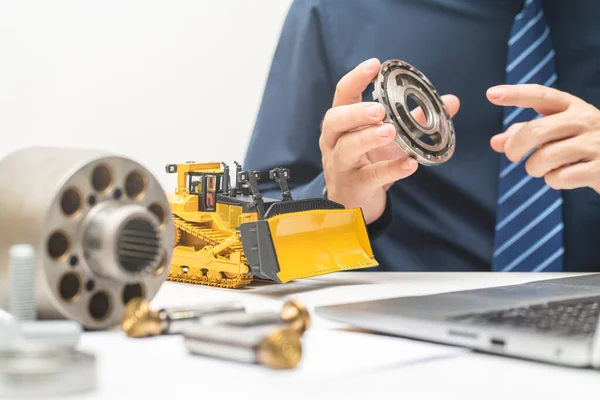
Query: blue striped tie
x,y
529,217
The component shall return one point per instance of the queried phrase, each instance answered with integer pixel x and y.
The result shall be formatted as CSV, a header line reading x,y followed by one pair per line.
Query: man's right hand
x,y
360,158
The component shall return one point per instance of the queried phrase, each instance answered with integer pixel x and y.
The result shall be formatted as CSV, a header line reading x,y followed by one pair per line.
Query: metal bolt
x,y
23,306
22,271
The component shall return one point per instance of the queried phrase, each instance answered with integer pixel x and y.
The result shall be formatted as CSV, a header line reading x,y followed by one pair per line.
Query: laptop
x,y
553,321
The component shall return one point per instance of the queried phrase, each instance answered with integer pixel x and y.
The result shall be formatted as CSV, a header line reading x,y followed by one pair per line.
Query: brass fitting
x,y
280,350
295,314
139,321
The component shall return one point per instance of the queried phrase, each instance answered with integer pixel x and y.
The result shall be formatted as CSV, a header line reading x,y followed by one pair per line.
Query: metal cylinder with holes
x,y
100,225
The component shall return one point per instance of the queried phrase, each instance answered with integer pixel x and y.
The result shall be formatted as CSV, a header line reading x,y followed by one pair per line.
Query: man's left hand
x,y
565,141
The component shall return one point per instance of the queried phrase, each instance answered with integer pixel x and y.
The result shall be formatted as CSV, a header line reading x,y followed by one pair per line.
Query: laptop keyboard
x,y
568,317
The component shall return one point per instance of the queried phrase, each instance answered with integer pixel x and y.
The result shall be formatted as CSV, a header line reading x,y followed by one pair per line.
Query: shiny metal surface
x,y
276,348
121,241
431,143
58,333
73,206
22,279
9,330
293,315
140,321
40,371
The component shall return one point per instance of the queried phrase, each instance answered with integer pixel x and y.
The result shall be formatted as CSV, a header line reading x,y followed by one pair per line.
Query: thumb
x,y
350,88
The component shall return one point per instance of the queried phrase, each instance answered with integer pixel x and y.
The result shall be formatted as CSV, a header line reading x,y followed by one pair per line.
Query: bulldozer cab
x,y
202,180
206,187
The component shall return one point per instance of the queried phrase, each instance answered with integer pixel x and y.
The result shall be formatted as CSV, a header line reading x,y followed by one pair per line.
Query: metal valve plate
x,y
430,144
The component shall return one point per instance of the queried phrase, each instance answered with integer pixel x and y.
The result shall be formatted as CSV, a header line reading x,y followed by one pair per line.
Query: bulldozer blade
x,y
305,244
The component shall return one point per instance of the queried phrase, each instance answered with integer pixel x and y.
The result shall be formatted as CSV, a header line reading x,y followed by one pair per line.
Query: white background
x,y
157,81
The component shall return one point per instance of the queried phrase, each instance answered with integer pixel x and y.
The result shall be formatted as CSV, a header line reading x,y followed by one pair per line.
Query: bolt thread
x,y
22,272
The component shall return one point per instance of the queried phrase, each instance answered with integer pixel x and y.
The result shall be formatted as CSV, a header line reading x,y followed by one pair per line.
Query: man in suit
x,y
521,192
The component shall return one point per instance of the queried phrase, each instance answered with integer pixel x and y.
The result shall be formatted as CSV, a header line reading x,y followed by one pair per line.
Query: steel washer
x,y
409,133
39,371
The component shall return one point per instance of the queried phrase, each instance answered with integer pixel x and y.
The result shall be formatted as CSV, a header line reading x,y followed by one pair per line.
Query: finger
x,y
499,141
539,132
575,176
385,172
450,101
352,147
390,151
342,119
350,88
557,155
542,99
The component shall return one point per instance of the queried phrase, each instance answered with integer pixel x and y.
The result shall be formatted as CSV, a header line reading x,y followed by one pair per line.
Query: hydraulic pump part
x,y
100,226
432,141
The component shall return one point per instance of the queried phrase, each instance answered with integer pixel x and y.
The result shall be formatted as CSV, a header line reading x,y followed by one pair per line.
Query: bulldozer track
x,y
229,283
208,235
212,238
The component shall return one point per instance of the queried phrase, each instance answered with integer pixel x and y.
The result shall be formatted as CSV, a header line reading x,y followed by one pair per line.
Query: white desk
x,y
337,363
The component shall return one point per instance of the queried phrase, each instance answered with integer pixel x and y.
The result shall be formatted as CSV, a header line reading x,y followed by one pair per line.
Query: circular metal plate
x,y
431,143
35,371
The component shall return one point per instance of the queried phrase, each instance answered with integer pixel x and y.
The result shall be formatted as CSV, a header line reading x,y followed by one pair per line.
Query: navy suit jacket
x,y
441,218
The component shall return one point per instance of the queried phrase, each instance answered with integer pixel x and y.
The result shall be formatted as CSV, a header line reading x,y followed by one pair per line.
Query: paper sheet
x,y
164,363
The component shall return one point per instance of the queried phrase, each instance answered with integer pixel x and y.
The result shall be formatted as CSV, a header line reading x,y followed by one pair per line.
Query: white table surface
x,y
337,362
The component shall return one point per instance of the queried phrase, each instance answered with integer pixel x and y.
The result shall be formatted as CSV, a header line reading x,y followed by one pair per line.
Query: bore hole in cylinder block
x,y
69,286
99,306
70,202
73,261
163,263
58,245
158,211
101,178
131,292
135,185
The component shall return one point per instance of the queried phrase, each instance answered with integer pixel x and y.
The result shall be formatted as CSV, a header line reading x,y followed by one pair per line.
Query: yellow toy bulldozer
x,y
227,235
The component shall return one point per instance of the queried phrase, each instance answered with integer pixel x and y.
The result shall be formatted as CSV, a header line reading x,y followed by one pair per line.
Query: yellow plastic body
x,y
318,242
208,248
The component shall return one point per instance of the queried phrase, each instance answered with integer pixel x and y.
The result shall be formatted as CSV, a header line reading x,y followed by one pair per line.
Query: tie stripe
x,y
528,227
524,30
553,233
528,51
558,253
529,215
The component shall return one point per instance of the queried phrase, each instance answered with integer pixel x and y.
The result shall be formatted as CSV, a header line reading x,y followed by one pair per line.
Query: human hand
x,y
360,158
566,141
